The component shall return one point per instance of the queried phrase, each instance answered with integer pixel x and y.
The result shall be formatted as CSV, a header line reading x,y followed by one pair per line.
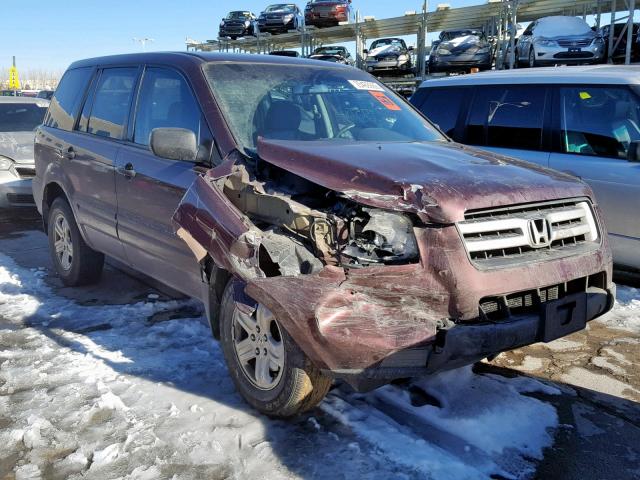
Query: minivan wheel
x,y
532,59
267,367
75,262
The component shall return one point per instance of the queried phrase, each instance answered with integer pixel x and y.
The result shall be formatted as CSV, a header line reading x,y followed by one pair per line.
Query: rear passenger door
x,y
595,125
96,143
510,120
150,188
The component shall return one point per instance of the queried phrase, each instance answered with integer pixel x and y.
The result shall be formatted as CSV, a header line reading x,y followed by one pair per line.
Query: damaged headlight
x,y
381,237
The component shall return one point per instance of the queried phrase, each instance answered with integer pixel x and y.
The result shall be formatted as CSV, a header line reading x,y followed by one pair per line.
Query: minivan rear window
x,y
67,98
507,116
442,106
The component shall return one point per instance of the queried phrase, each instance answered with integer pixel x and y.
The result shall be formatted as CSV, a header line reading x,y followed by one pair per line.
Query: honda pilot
x,y
330,230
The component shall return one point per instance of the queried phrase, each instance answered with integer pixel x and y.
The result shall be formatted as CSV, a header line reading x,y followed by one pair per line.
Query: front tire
x,y
267,367
75,262
532,59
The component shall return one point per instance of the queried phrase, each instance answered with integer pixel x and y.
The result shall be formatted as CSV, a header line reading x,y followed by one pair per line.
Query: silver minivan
x,y
584,121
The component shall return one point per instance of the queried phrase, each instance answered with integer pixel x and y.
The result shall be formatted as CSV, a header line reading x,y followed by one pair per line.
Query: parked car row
x,y
330,230
285,17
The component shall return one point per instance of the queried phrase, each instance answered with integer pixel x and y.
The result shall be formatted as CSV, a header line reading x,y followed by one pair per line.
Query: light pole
x,y
143,42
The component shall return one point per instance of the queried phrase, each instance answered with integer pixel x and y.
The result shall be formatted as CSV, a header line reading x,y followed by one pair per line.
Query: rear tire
x,y
294,386
75,262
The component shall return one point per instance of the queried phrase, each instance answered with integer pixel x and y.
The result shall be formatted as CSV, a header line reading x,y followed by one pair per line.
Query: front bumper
x,y
388,65
377,324
276,27
15,192
554,55
235,31
457,63
331,20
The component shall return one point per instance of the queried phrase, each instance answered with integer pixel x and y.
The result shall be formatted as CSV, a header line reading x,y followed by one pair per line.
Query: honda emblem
x,y
539,233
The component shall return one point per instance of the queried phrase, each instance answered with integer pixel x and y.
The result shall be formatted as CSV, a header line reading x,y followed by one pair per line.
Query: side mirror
x,y
174,144
633,153
411,48
365,51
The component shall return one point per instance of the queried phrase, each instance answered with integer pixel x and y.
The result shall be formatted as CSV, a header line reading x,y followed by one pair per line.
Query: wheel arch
x,y
51,191
216,282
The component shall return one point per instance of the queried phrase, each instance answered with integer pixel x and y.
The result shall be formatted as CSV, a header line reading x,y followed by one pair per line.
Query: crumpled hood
x,y
385,51
18,146
437,181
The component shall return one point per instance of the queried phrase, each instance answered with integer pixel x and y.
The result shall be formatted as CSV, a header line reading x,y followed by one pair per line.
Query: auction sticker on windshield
x,y
386,101
364,85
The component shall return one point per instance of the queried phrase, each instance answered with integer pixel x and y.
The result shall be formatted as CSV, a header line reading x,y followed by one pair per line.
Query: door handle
x,y
68,154
128,170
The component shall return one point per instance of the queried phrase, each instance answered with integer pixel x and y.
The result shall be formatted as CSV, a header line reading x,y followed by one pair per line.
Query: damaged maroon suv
x,y
330,230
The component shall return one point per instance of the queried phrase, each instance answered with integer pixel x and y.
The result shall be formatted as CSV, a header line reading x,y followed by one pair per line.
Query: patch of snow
x,y
625,315
531,364
600,383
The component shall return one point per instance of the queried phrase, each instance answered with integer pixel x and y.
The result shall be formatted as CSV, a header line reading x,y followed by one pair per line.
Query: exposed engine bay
x,y
305,226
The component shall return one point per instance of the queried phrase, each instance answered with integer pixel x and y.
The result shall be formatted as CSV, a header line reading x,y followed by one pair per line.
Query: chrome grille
x,y
580,43
499,237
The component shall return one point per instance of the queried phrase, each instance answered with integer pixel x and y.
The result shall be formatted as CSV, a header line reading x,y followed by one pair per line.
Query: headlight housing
x,y
546,42
5,163
287,18
443,52
247,23
380,237
222,23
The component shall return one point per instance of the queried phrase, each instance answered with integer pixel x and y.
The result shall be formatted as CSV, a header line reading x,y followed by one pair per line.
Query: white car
x,y
19,116
559,40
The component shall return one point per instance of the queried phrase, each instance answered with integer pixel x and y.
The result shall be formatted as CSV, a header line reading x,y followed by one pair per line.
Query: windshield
x,y
238,15
396,42
281,7
300,102
562,26
446,36
21,117
329,51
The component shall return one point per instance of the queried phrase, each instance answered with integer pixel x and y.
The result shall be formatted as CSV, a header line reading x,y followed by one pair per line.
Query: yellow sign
x,y
585,95
14,81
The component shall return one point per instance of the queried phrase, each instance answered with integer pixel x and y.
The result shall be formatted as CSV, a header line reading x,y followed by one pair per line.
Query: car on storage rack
x,y
620,42
559,40
460,51
584,121
237,24
389,55
19,117
335,54
328,227
280,18
328,13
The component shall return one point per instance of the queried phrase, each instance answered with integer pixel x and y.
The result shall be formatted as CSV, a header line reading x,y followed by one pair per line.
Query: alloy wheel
x,y
259,347
62,242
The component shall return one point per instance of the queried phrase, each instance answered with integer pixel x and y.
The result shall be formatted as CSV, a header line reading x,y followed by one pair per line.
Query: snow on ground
x,y
626,314
103,392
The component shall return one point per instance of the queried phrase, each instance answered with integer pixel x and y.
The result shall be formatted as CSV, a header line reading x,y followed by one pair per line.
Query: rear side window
x,y
112,101
442,107
507,116
165,100
599,121
67,98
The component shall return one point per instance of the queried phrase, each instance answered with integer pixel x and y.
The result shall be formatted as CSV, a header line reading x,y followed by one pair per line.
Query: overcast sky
x,y
51,34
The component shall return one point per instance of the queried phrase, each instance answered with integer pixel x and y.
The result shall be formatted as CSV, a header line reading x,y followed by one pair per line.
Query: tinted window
x,y
66,101
111,102
510,117
165,101
599,121
21,117
442,106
